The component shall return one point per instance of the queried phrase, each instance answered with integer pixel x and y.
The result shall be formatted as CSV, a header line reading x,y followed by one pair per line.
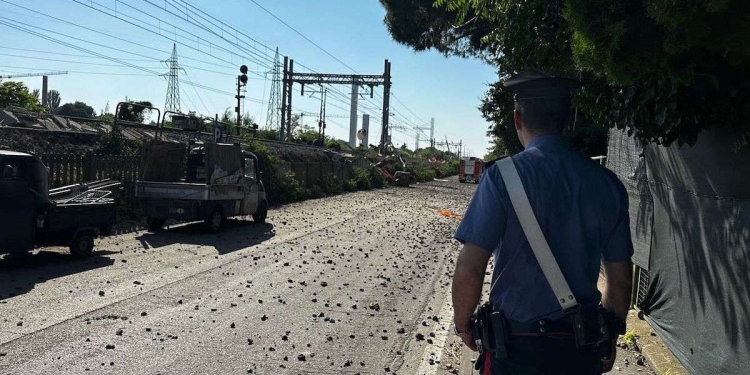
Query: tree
x,y
295,123
18,95
423,26
227,116
53,101
248,120
662,72
272,135
134,111
77,109
494,41
105,114
306,134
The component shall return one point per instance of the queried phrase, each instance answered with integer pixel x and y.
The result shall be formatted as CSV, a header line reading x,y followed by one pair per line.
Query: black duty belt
x,y
542,328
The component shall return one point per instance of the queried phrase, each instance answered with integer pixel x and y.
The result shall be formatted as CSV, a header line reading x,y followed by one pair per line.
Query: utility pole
x,y
386,106
286,99
322,118
353,116
241,82
45,102
419,132
366,130
273,118
172,103
432,132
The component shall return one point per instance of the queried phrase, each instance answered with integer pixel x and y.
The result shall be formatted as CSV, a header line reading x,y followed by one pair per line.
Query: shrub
x,y
350,185
317,192
286,189
377,179
361,178
422,173
332,184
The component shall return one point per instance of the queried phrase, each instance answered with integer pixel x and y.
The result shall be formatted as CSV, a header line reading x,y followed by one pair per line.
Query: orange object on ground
x,y
451,215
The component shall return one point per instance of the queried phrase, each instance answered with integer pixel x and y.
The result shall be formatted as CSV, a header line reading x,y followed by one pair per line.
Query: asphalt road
x,y
349,284
354,284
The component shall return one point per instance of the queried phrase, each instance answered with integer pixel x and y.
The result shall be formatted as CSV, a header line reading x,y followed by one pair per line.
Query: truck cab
x,y
23,191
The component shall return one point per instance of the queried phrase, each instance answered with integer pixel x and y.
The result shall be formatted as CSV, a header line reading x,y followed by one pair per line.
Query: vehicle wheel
x,y
215,220
154,224
260,215
82,245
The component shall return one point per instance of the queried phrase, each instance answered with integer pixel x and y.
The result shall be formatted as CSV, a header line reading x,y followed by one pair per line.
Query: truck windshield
x,y
13,168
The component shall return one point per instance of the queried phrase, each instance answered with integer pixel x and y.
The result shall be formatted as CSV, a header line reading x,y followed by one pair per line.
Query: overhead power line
x,y
67,54
303,36
257,52
270,49
78,71
63,61
407,108
4,21
116,16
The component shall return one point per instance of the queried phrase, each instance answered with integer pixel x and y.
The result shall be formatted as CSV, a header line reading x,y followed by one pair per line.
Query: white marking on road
x,y
435,351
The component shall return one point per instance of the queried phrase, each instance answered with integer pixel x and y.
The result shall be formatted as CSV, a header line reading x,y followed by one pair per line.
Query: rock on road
x,y
350,284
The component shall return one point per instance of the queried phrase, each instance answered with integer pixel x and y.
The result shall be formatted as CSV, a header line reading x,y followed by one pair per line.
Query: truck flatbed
x,y
188,191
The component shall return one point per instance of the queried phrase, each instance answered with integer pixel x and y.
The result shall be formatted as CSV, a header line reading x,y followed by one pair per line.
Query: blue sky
x,y
428,84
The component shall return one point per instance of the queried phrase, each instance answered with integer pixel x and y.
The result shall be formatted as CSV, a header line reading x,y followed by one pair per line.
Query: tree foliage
x,y
134,111
423,26
660,70
18,95
53,100
76,109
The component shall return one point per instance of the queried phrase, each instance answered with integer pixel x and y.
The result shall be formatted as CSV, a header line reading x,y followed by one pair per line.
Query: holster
x,y
490,331
592,329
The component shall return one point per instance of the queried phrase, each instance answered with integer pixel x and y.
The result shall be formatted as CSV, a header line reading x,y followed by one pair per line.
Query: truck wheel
x,y
82,245
154,224
260,215
215,220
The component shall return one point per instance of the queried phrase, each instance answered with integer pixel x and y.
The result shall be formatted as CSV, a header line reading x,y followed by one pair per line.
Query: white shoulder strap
x,y
534,235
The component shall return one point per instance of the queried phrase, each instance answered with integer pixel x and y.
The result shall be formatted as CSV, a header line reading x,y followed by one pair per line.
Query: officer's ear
x,y
518,119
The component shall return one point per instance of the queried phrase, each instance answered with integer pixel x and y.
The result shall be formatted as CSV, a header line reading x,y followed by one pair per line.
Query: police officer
x,y
582,209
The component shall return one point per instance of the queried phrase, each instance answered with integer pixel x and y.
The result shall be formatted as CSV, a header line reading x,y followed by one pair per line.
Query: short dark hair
x,y
545,115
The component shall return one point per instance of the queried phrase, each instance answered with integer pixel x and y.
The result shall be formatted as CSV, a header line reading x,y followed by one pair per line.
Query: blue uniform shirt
x,y
582,209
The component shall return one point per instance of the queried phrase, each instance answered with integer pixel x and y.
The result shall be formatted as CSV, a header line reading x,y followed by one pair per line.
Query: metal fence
x,y
68,169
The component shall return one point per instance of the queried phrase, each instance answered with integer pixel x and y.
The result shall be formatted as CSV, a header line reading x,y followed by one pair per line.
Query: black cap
x,y
530,86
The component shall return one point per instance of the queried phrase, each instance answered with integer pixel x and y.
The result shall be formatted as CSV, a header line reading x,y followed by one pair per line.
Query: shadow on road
x,y
19,273
235,235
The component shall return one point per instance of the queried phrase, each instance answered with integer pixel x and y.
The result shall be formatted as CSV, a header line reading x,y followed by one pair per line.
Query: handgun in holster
x,y
490,331
592,328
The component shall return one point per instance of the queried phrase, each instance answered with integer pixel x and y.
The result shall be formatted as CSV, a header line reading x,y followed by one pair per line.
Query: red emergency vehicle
x,y
470,169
